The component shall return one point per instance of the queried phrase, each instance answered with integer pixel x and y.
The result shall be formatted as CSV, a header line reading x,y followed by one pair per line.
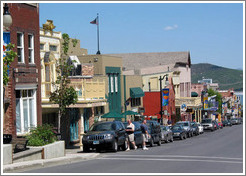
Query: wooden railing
x,y
87,89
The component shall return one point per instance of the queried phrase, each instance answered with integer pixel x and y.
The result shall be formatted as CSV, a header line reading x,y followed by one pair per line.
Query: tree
x,y
64,95
7,60
218,98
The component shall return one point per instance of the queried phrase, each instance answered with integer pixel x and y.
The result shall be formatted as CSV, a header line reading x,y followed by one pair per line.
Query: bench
x,y
19,144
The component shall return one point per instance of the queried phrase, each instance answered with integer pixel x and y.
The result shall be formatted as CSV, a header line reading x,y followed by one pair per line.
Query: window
x,y
30,48
135,102
25,110
53,48
116,83
20,47
112,83
41,46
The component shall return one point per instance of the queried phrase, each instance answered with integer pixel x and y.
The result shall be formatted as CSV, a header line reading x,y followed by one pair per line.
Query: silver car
x,y
166,134
208,124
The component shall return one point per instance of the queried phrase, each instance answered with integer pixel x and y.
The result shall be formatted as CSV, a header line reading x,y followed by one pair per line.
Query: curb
x,y
38,164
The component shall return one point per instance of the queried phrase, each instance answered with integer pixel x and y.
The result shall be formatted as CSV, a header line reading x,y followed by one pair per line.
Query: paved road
x,y
220,151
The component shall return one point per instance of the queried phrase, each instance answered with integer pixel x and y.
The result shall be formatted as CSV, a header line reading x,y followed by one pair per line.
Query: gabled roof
x,y
143,60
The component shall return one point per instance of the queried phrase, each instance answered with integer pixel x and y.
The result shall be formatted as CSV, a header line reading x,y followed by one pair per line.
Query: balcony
x,y
91,89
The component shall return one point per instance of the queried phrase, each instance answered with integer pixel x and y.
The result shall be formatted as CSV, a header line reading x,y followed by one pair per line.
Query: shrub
x,y
41,135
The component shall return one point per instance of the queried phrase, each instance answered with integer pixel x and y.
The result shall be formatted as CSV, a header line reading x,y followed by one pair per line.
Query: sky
x,y
212,32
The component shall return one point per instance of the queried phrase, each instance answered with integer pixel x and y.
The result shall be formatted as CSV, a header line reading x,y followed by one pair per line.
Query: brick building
x,y
23,108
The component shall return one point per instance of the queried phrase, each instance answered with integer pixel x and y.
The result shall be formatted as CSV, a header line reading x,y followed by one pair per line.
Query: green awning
x,y
130,113
136,92
112,115
194,94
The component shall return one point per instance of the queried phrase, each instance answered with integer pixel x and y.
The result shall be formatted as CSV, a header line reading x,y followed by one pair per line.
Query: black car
x,y
195,128
154,130
138,137
187,126
179,132
105,135
226,123
166,134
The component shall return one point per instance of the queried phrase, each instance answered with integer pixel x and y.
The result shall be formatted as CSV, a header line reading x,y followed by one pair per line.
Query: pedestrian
x,y
145,134
130,131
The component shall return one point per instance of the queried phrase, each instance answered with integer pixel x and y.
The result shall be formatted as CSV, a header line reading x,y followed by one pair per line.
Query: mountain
x,y
226,77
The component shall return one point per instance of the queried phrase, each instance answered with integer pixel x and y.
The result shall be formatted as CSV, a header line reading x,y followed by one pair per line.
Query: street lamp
x,y
7,19
166,83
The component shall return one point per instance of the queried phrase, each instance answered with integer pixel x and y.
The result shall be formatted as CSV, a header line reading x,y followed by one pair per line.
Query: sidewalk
x,y
72,155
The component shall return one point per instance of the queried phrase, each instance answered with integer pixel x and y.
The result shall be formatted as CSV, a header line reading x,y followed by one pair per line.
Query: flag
x,y
165,97
95,21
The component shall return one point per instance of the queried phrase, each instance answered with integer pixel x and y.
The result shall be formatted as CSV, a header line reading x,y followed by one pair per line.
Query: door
x,y
87,114
74,118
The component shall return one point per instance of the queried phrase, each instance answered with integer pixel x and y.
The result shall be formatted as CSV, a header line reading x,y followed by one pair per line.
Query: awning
x,y
194,94
112,115
130,113
136,92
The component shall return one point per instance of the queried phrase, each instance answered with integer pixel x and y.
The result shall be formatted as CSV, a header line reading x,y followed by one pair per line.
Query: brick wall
x,y
87,69
26,20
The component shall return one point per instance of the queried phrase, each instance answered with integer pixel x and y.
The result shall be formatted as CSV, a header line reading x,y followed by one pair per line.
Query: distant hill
x,y
226,77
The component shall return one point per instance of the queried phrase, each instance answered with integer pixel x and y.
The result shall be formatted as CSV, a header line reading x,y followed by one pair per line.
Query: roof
x,y
133,61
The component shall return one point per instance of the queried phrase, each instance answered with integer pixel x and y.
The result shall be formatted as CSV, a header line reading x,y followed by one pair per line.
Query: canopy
x,y
194,94
130,113
112,115
136,92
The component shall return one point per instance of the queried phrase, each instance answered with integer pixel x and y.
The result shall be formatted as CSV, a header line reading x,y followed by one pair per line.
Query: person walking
x,y
130,131
145,134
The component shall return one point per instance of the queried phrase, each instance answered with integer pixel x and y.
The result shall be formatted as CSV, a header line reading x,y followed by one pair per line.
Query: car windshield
x,y
184,123
102,127
176,128
207,121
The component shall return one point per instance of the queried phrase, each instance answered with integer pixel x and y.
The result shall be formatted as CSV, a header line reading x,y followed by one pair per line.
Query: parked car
x,y
195,128
154,130
187,126
216,124
138,137
208,124
234,121
105,135
179,132
240,121
200,127
166,134
226,123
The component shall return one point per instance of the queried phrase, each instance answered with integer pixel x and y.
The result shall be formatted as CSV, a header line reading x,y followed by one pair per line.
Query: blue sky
x,y
212,32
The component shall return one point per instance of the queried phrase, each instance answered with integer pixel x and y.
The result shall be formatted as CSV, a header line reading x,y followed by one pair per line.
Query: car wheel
x,y
185,136
159,142
86,148
181,137
98,149
115,146
124,146
151,142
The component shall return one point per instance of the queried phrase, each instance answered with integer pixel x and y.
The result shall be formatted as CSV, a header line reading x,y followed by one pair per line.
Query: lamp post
x,y
7,19
166,83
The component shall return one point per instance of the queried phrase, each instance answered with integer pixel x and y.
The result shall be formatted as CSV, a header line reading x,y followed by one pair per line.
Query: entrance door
x,y
74,118
87,114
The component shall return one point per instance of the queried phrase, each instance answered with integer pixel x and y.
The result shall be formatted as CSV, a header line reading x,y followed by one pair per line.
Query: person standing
x,y
145,134
130,131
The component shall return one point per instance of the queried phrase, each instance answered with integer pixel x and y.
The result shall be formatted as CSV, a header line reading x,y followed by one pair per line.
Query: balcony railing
x,y
87,89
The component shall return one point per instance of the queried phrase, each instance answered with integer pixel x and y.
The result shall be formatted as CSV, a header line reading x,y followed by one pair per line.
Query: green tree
x,y
64,95
7,60
218,98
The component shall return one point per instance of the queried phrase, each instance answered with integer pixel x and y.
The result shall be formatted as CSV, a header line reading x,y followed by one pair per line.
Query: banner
x,y
165,97
205,101
6,41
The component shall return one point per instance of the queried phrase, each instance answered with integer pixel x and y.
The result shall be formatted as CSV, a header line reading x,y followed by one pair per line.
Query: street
x,y
220,151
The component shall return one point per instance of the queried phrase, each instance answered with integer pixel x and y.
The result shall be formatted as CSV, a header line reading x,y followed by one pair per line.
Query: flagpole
x,y
98,51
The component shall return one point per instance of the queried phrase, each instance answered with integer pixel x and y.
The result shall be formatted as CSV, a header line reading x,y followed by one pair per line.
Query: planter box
x,y
54,150
7,154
